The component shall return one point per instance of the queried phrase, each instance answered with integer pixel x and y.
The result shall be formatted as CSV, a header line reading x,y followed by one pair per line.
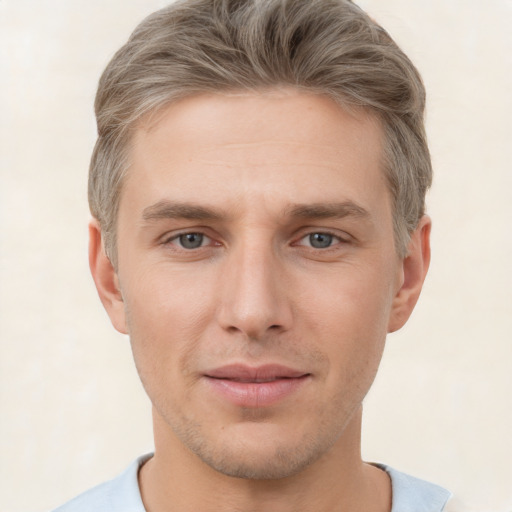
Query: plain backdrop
x,y
72,410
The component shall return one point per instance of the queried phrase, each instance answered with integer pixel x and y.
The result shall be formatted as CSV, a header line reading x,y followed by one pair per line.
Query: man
x,y
258,189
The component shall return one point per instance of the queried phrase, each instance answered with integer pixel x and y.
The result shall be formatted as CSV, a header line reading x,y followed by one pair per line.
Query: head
x,y
258,188
327,47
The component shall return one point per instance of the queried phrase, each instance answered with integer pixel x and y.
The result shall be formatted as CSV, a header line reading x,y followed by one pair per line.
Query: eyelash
x,y
176,238
335,240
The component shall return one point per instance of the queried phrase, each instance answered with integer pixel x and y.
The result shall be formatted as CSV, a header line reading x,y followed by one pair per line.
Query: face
x,y
257,273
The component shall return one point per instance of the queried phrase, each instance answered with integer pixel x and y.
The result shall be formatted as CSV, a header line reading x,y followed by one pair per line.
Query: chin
x,y
258,453
280,463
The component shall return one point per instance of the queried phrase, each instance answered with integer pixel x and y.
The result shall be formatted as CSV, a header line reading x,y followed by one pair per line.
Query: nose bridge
x,y
253,296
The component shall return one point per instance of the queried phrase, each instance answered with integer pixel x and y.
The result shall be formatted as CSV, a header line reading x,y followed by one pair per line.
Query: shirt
x,y
122,494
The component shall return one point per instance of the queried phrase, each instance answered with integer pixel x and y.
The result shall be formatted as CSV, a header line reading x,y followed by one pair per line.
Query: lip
x,y
261,386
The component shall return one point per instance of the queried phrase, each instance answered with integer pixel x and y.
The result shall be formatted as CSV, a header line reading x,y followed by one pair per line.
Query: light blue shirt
x,y
122,494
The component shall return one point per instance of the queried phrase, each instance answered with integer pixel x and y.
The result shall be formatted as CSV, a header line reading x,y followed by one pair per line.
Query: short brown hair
x,y
329,47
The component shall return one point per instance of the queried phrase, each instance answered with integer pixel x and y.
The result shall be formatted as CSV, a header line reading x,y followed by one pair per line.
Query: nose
x,y
254,292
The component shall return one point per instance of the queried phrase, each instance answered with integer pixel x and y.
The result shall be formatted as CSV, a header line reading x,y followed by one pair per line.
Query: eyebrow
x,y
172,210
327,211
175,210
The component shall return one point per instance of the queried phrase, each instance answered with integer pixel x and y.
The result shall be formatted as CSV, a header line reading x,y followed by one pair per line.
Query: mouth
x,y
262,386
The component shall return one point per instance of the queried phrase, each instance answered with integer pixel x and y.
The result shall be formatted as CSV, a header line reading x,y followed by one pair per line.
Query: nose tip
x,y
254,299
253,327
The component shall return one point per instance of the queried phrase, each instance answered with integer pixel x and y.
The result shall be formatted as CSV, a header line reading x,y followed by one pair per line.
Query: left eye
x,y
191,240
319,240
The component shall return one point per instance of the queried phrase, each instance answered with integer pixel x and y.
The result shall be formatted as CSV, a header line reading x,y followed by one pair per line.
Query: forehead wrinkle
x,y
264,145
249,165
269,142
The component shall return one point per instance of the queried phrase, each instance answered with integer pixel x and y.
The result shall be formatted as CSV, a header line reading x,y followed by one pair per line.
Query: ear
x,y
414,269
105,278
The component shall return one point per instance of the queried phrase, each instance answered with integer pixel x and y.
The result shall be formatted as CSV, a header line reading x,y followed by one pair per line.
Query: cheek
x,y
166,315
169,299
351,302
348,318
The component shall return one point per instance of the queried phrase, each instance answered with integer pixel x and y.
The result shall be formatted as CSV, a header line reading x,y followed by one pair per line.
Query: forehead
x,y
285,145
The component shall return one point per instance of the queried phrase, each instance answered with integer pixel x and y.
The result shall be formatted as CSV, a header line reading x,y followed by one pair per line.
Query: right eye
x,y
320,240
190,241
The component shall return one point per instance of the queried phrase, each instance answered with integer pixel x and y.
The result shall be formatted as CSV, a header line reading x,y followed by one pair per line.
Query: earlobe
x,y
414,269
105,278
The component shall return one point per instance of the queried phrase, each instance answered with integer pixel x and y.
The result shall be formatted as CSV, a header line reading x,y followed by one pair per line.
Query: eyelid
x,y
343,238
169,238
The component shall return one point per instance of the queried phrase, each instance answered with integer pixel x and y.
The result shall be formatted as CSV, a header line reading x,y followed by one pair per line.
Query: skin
x,y
276,171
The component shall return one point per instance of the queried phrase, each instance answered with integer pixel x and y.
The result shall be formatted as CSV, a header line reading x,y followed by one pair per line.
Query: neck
x,y
175,479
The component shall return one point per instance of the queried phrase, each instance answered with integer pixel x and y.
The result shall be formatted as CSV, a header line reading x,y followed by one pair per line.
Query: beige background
x,y
72,409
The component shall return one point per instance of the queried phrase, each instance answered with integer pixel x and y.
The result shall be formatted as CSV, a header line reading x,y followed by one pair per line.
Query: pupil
x,y
191,240
320,240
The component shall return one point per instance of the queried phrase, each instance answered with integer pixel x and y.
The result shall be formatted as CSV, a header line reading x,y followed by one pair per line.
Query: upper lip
x,y
264,373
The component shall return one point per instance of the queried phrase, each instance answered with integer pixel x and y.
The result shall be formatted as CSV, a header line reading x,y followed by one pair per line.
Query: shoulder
x,y
121,494
411,494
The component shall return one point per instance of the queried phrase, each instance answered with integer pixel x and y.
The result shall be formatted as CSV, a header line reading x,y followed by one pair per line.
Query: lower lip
x,y
256,394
